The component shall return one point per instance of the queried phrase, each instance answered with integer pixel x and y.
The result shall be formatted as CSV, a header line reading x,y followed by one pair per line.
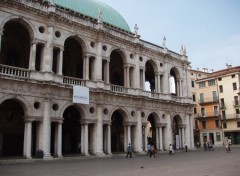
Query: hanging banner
x,y
80,94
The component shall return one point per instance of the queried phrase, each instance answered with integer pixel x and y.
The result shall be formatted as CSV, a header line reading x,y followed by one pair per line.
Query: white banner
x,y
80,94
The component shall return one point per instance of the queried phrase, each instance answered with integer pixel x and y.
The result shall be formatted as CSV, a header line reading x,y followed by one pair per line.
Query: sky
x,y
209,29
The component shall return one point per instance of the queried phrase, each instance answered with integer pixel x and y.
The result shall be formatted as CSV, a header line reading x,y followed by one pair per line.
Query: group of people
x,y
151,150
208,146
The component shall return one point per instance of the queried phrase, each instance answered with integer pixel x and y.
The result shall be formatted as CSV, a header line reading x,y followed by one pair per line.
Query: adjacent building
x,y
49,48
217,113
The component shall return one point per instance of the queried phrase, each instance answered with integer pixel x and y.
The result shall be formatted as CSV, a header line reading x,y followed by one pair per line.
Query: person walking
x,y
153,151
185,145
170,149
149,150
129,151
228,149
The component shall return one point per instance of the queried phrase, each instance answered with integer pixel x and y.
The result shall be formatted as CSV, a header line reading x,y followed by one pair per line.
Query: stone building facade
x,y
47,48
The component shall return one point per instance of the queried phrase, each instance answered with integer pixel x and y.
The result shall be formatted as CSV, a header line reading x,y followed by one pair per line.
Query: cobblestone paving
x,y
193,163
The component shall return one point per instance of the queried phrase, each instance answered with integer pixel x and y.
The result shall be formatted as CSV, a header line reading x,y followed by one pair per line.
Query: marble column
x,y
107,72
82,139
28,139
138,133
86,140
183,135
86,68
60,61
46,64
99,132
125,138
46,136
39,129
129,134
168,131
109,152
32,59
157,138
161,138
59,139
98,63
180,139
143,77
145,137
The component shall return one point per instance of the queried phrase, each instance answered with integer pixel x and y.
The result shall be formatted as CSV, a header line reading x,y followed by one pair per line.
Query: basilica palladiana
x,y
139,92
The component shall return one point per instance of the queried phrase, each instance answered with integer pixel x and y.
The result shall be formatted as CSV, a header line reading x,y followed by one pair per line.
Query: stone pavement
x,y
193,163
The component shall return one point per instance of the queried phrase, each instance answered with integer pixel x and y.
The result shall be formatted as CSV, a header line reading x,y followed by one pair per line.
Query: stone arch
x,y
122,111
116,67
176,123
120,51
174,81
27,107
30,27
152,120
81,41
73,57
12,127
118,120
71,128
16,42
81,109
150,74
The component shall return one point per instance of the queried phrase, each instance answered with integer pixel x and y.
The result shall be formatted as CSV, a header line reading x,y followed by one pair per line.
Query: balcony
x,y
206,115
222,106
236,103
208,100
16,73
230,117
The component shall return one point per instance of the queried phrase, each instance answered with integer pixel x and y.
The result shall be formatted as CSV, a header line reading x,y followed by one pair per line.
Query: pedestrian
x,y
228,149
129,150
79,147
153,151
170,149
149,150
205,146
186,148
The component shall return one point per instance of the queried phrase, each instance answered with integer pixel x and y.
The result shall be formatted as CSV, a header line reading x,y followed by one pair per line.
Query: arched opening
x,y
175,132
73,58
149,77
116,72
71,131
11,128
173,82
15,45
117,132
151,130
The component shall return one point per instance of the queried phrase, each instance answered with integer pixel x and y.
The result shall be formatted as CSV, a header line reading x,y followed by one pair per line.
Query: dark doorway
x,y
11,128
117,133
71,131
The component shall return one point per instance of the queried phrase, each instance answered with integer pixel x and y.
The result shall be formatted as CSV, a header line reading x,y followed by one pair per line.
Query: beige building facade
x,y
47,48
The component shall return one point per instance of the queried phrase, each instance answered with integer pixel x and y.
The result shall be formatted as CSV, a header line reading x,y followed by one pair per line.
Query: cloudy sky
x,y
210,29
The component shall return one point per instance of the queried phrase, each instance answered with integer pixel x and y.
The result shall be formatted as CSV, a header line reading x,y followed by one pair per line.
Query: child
x,y
170,149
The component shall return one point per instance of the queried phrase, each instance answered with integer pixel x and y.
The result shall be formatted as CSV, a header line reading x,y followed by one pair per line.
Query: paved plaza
x,y
194,163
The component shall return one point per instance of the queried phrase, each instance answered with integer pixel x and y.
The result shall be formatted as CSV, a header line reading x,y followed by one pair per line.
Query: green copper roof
x,y
91,8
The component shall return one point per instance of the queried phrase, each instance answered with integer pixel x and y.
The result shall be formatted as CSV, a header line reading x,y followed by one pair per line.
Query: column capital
x,y
160,125
88,121
129,123
107,122
57,119
182,126
28,119
144,124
